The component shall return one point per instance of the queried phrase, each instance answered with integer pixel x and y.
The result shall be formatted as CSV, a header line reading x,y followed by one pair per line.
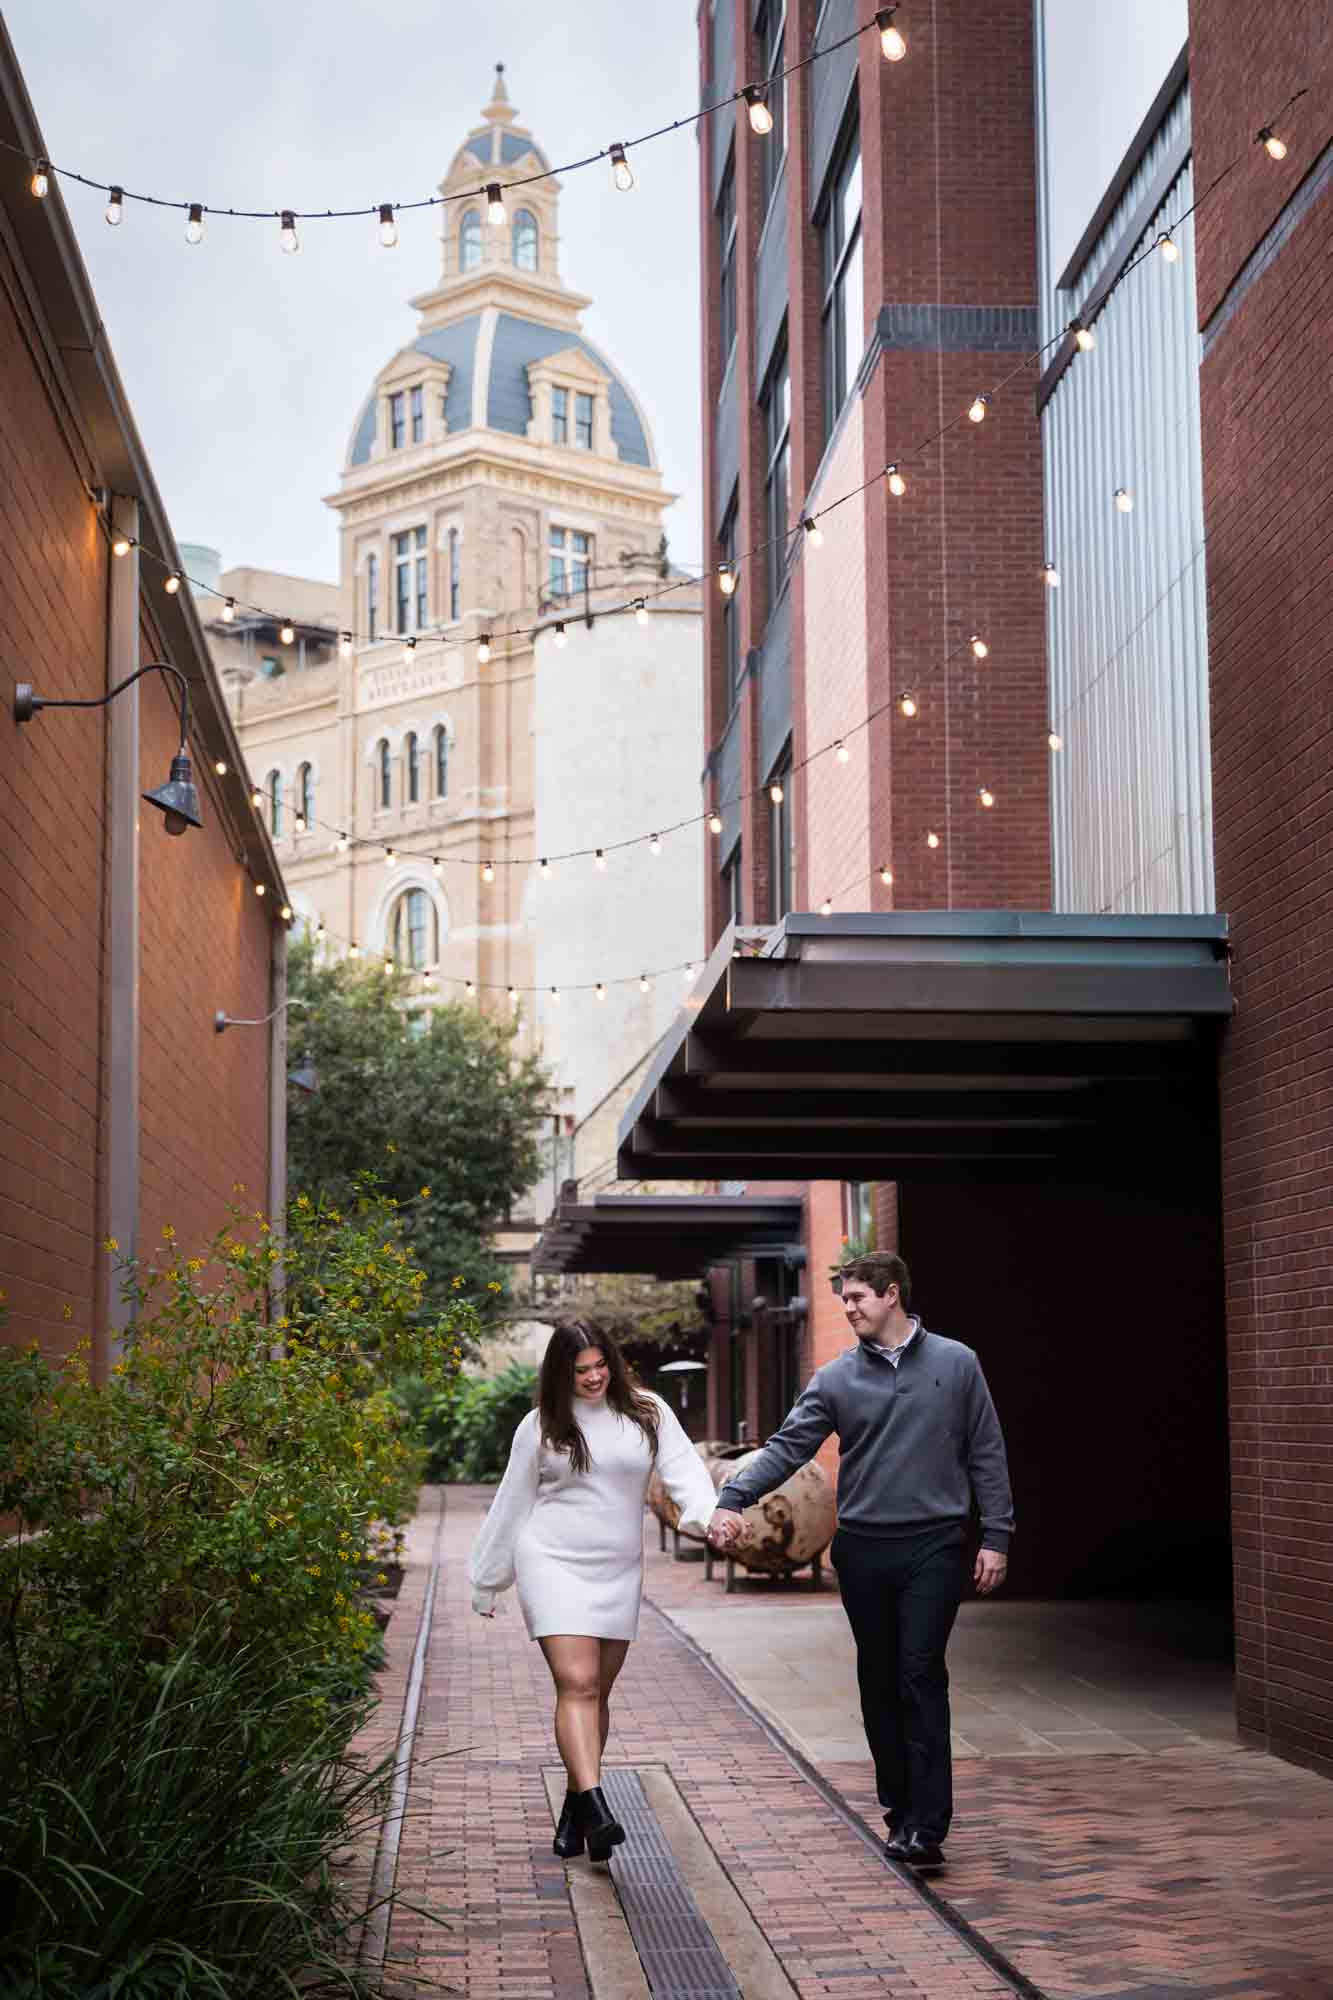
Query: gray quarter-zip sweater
x,y
916,1442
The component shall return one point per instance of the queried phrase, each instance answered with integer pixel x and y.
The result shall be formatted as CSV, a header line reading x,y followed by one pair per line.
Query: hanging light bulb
x,y
897,484
1275,148
555,996
643,982
388,227
171,584
977,408
409,647
1123,500
495,205
886,875
775,792
655,844
194,228
761,118
388,965
1169,247
642,615
288,634
1084,337
1055,741
841,752
1050,576
599,859
621,172
115,207
986,795
826,908
714,823
261,889
389,857
544,869
121,545
814,534
256,797
343,843
487,871
891,39
726,577
907,703
287,234
286,913
300,822
436,866
220,766
229,612
428,977
513,996
484,649
932,840
469,988
41,179
979,647
344,645
560,634
354,949
319,929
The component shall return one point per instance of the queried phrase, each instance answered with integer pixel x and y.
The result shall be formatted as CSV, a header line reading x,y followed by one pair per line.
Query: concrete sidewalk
x,y
1135,1855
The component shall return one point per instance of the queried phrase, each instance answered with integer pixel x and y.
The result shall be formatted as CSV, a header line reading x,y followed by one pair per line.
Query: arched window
x,y
372,596
410,930
525,240
441,761
305,794
386,773
469,240
412,753
273,786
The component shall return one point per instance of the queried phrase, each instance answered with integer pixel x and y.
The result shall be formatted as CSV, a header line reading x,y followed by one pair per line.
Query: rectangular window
x,y
560,416
570,561
780,832
410,586
769,30
731,617
844,303
725,221
418,414
583,422
397,420
732,889
776,404
372,596
455,575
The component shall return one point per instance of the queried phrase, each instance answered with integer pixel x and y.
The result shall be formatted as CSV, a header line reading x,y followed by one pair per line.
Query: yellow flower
x,y
391,1148
168,1233
119,1367
255,1576
194,1264
312,1569
338,1597
381,1578
344,1556
238,1187
494,1286
68,1312
425,1194
303,1201
273,1520
111,1244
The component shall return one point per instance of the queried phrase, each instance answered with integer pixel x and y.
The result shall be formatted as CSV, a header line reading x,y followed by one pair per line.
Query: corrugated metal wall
x,y
1131,805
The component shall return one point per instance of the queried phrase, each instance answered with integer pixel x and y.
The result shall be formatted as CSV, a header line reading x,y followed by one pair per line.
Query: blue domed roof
x,y
508,404
494,147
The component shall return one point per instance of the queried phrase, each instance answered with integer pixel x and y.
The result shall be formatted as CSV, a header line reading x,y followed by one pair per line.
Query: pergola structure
x,y
663,1236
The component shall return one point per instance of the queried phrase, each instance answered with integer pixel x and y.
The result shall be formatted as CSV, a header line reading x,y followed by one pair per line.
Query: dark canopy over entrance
x,y
954,1046
663,1236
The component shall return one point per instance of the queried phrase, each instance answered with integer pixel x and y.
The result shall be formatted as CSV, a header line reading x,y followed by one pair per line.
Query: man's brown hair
x,y
879,1270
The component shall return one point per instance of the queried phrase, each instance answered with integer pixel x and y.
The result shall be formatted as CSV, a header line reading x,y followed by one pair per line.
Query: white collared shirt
x,y
895,1354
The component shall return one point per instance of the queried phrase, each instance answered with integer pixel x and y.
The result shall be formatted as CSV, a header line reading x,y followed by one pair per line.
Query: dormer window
x,y
583,422
418,407
571,402
469,241
397,420
583,415
525,240
559,416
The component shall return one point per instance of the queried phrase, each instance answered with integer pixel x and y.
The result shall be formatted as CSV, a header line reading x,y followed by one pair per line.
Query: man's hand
x,y
990,1572
725,1529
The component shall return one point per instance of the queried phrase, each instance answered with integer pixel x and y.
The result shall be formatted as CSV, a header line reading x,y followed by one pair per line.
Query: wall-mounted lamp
x,y
223,1021
305,1078
177,799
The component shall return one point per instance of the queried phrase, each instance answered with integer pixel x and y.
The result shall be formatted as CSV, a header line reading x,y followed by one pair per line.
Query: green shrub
x,y
467,1430
184,1659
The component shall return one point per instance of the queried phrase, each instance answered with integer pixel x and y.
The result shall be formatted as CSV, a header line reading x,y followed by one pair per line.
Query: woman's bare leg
x,y
575,1664
612,1660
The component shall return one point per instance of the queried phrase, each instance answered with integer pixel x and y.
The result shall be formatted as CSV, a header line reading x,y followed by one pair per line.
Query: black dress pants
x,y
901,1594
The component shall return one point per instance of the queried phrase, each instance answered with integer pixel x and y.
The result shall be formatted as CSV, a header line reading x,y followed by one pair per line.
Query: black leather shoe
x,y
895,1846
599,1825
568,1833
922,1853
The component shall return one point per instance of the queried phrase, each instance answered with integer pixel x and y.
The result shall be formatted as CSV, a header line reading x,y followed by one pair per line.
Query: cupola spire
x,y
499,111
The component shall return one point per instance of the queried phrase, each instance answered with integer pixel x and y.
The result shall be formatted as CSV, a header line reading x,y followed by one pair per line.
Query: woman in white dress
x,y
567,1526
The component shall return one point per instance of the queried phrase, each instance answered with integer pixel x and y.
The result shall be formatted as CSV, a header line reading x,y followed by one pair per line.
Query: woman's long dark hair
x,y
555,1391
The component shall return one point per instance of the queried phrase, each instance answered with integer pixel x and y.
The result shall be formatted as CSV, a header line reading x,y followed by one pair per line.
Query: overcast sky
x,y
246,368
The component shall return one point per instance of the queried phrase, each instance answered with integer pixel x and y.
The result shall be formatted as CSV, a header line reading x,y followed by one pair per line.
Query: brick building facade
x,y
121,1108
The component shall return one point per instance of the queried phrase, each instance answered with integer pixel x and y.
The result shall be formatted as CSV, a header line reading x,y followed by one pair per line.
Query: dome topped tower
x,y
525,247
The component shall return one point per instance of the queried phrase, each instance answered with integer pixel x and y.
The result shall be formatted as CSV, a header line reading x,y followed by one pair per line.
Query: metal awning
x,y
664,1236
941,1045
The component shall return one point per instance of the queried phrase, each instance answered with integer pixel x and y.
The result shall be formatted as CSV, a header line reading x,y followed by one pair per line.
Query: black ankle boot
x,y
598,1823
569,1833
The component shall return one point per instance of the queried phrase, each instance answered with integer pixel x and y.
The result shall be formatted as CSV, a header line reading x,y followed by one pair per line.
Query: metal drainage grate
x,y
680,1954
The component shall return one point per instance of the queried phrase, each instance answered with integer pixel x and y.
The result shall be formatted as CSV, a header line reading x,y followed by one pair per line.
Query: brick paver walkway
x,y
476,1847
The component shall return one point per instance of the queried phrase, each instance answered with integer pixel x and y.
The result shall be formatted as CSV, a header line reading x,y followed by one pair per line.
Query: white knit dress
x,y
573,1541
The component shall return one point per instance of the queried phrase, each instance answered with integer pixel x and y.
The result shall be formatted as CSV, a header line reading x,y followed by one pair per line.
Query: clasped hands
x,y
724,1530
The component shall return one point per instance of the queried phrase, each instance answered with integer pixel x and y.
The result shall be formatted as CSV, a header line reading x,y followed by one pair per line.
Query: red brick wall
x,y
53,586
1268,472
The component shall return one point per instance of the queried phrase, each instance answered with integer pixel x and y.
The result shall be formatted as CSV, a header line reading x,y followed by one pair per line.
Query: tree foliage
x,y
437,1099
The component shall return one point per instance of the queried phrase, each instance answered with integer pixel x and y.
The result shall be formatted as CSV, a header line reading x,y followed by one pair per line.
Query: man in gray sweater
x,y
918,1439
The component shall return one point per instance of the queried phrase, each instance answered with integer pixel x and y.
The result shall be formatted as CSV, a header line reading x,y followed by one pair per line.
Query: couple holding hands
x,y
919,1442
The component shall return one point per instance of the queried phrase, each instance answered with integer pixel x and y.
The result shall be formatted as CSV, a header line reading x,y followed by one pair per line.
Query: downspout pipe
x,y
120,1010
277,1106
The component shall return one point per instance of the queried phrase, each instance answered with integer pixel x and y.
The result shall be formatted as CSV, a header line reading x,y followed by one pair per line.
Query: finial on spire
x,y
499,111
